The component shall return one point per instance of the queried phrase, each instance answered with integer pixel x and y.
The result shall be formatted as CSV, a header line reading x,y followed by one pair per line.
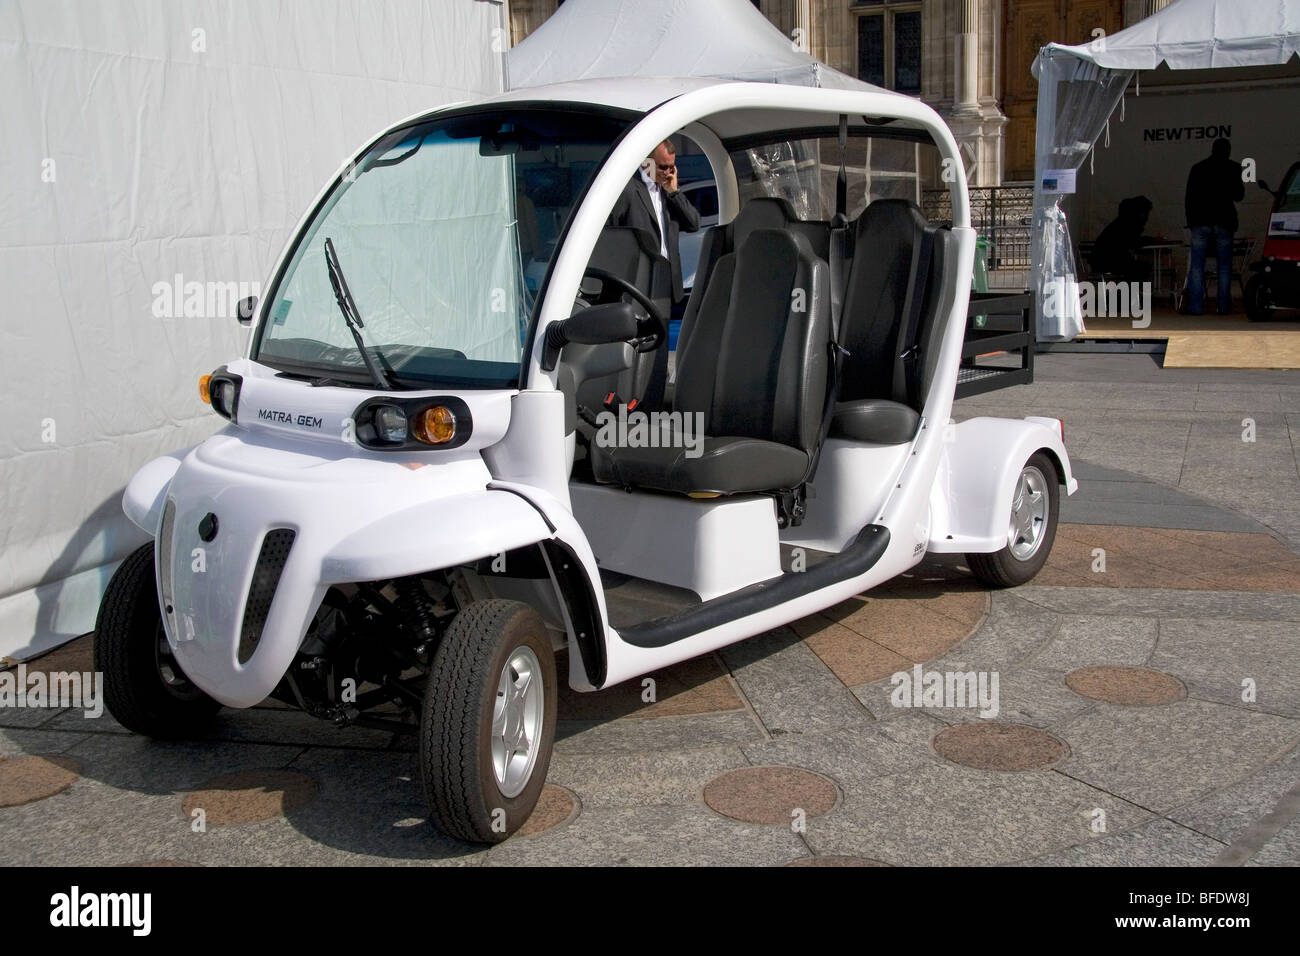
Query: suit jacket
x,y
635,210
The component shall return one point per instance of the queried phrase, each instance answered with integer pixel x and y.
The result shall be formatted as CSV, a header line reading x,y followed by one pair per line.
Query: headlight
x,y
390,424
223,397
412,424
435,425
221,391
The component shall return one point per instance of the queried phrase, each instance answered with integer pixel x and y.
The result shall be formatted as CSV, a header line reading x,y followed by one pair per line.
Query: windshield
x,y
1290,201
442,233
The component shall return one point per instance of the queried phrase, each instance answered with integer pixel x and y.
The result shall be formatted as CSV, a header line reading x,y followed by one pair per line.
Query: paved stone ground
x,y
1148,708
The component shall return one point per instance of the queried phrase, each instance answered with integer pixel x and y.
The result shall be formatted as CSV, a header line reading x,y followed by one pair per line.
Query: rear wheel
x,y
145,688
1031,528
1259,299
488,721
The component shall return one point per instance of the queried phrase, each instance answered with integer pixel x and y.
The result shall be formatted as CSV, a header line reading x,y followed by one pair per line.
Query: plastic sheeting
x,y
713,39
158,154
1075,99
726,39
1080,86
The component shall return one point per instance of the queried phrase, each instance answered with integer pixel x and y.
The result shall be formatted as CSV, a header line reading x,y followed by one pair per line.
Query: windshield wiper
x,y
343,296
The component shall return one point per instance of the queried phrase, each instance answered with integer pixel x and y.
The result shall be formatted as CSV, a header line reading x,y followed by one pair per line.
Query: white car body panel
x,y
972,494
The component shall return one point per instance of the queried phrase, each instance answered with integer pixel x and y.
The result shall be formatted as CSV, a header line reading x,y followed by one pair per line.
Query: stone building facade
x,y
969,59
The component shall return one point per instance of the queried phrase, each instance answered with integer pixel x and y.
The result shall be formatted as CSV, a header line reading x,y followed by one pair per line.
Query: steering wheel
x,y
651,331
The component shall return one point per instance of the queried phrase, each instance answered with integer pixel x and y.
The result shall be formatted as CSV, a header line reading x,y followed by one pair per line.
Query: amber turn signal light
x,y
435,425
204,382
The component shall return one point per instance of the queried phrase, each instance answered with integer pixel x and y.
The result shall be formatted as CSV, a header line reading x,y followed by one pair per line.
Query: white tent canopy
x,y
1079,88
725,39
1199,35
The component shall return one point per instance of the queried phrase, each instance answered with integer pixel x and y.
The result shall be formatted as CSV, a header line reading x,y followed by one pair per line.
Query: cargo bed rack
x,y
998,333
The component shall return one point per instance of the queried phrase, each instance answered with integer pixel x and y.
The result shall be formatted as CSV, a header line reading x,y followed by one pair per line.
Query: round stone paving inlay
x,y
249,796
556,806
998,746
1131,686
35,777
770,794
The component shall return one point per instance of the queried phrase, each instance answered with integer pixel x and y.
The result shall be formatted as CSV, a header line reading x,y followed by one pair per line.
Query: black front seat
x,y
755,368
632,255
761,212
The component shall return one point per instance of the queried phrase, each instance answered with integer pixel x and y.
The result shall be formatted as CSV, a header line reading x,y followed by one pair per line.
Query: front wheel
x,y
144,687
1031,528
488,721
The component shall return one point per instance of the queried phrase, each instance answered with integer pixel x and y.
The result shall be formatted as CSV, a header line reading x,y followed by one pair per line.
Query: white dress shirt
x,y
657,200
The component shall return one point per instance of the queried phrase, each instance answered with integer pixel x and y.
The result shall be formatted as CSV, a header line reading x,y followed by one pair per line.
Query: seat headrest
x,y
885,216
767,251
766,212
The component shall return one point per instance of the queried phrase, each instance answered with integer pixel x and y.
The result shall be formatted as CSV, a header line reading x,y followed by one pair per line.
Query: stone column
x,y
803,24
966,59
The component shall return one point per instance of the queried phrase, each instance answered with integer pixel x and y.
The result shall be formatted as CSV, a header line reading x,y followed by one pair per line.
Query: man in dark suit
x,y
651,202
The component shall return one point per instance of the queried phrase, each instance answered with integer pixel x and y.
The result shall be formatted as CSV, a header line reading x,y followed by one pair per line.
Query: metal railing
x,y
1003,215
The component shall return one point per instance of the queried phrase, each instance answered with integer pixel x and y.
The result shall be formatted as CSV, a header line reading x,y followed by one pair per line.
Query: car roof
x,y
637,93
766,113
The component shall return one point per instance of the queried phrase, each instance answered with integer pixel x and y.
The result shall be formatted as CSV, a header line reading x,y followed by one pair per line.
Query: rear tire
x,y
144,687
1035,505
1259,299
488,721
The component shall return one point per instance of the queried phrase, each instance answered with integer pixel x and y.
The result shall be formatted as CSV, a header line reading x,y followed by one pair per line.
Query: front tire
x,y
488,721
1035,505
144,687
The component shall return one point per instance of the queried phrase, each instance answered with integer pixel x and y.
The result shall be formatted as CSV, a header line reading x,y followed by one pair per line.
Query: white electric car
x,y
454,462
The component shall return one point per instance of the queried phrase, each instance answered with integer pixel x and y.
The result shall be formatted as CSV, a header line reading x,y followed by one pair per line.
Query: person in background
x,y
651,202
1116,251
1214,187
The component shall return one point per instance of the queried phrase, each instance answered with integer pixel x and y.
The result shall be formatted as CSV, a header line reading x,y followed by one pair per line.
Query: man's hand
x,y
666,177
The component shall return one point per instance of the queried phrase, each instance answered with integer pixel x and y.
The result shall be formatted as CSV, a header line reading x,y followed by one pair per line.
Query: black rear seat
x,y
889,327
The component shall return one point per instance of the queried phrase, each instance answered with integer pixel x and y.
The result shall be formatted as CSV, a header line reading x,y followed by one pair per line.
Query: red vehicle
x,y
1276,282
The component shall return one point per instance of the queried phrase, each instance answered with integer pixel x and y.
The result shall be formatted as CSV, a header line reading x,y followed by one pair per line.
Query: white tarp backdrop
x,y
158,152
1167,130
1079,88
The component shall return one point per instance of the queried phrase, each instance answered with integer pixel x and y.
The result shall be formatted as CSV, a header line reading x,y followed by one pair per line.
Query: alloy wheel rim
x,y
517,715
1028,514
173,678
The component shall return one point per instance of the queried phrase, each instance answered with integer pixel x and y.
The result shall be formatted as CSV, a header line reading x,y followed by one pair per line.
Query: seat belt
x,y
833,369
908,341
842,181
839,232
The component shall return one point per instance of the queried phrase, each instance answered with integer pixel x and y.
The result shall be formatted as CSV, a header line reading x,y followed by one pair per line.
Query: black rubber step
x,y
855,560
